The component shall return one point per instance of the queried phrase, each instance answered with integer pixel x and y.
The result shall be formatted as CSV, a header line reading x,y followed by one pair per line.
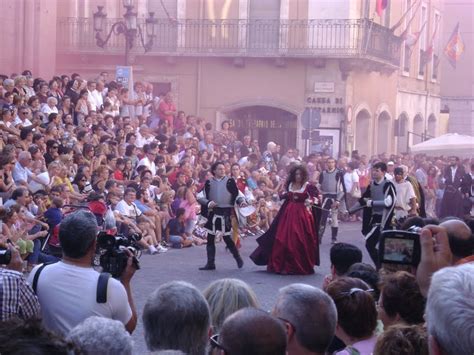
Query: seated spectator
x,y
175,231
251,331
310,317
54,214
99,335
226,296
450,311
401,301
403,340
58,285
18,299
18,337
342,256
176,317
356,315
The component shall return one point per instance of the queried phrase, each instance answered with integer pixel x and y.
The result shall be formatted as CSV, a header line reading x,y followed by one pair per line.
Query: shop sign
x,y
323,86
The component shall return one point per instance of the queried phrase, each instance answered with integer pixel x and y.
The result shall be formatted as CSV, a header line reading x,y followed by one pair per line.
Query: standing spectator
x,y
167,110
458,185
267,157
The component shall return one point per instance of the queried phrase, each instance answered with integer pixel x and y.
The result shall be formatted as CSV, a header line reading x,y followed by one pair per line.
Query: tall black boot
x,y
233,249
211,253
334,234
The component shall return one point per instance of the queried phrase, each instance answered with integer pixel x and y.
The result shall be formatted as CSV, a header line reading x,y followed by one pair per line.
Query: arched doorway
x,y
432,126
265,124
417,129
383,133
362,129
402,132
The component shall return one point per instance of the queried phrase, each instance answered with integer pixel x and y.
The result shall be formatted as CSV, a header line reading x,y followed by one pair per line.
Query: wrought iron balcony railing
x,y
360,38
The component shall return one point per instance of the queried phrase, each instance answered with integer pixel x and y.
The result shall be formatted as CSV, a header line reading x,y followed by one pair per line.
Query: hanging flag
x,y
428,53
455,47
412,38
405,34
380,6
394,27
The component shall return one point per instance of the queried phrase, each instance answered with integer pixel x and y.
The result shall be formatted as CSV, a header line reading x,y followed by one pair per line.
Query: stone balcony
x,y
359,39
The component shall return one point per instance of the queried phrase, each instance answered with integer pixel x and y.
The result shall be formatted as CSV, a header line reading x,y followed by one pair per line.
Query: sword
x,y
357,207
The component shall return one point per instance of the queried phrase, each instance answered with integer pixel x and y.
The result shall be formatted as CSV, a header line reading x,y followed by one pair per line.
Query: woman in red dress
x,y
290,246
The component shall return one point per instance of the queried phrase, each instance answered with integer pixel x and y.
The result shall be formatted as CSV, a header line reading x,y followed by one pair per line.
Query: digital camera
x,y
111,250
400,247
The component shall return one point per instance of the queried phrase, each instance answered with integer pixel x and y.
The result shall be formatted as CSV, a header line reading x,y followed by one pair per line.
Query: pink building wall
x,y
28,36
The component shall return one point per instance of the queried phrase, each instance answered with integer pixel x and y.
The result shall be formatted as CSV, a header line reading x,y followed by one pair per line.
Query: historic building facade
x,y
283,70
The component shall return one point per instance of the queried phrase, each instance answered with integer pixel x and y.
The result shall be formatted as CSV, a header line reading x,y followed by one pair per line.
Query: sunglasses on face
x,y
215,342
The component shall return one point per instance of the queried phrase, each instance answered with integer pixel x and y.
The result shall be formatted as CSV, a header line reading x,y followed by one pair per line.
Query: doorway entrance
x,y
265,124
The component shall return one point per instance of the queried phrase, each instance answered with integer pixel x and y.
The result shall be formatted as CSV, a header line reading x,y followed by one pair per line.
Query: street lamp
x,y
128,27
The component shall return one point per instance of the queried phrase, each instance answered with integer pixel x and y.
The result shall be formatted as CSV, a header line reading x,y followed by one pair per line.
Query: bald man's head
x,y
461,239
251,331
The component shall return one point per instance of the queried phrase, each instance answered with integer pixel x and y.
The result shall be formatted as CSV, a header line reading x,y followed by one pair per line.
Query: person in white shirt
x,y
144,136
94,98
22,175
22,120
405,204
351,183
389,175
127,208
149,159
68,290
49,107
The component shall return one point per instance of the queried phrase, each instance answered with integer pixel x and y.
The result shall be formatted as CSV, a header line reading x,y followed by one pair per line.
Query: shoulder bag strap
x,y
37,275
101,296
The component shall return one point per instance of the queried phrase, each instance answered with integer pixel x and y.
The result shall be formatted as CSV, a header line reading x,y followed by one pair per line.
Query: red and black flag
x,y
455,47
380,6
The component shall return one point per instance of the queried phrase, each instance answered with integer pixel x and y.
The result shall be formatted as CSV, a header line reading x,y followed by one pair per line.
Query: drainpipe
x,y
427,88
199,61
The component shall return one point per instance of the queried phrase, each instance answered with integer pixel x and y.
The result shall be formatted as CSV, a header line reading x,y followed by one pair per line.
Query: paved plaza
x,y
183,265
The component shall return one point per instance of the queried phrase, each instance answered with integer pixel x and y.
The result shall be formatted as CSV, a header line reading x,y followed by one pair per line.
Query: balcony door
x,y
264,25
166,11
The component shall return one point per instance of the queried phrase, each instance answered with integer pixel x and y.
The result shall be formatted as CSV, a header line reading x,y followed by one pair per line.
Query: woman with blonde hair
x,y
227,296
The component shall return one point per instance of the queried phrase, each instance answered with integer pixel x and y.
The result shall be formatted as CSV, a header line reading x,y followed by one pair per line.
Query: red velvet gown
x,y
295,248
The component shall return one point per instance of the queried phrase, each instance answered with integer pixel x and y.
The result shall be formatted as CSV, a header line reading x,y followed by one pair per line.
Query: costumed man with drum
x,y
219,196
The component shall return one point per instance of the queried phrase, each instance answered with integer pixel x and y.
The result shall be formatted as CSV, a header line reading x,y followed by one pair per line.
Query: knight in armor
x,y
331,182
219,196
379,201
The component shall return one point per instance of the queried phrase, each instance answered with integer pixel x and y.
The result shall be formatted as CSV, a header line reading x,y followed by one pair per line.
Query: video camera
x,y
111,250
5,256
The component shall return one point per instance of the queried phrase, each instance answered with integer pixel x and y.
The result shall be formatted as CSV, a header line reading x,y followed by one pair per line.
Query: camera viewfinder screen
x,y
398,250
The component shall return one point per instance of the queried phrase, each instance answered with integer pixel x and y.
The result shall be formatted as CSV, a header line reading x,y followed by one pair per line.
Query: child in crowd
x,y
175,231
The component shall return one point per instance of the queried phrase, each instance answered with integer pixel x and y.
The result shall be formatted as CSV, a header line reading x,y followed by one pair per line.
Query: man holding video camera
x,y
379,201
70,290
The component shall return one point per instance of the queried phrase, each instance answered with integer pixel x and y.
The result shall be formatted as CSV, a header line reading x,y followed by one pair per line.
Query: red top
x,y
164,107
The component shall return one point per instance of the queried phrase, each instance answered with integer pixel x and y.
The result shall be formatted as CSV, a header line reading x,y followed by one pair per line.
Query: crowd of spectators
x,y
137,163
